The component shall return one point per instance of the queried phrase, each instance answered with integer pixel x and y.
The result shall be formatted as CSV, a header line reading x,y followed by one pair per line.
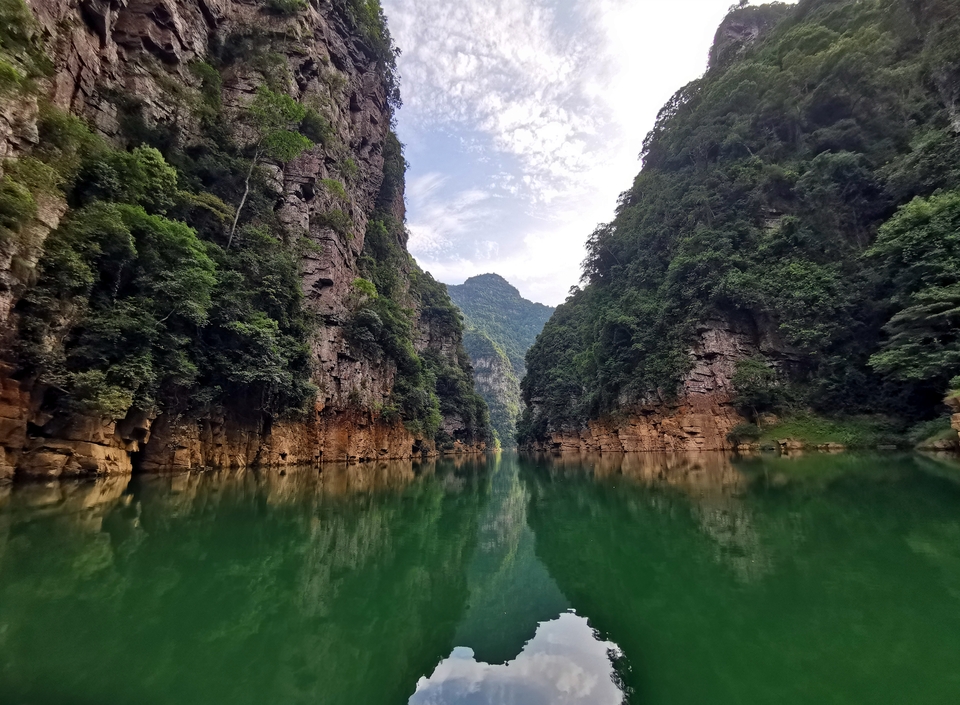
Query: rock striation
x,y
107,53
697,419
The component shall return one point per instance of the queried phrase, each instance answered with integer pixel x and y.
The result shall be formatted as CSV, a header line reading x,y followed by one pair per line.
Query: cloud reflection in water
x,y
564,664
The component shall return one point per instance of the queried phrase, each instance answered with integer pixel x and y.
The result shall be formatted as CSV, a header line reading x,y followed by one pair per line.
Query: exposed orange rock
x,y
954,403
85,445
699,419
102,49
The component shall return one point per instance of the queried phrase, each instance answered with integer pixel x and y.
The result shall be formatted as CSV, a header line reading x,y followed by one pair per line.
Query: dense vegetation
x,y
171,283
497,383
428,385
501,327
494,306
808,182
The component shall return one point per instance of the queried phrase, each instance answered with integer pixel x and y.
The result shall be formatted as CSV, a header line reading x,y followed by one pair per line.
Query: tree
x,y
757,387
919,250
924,338
274,119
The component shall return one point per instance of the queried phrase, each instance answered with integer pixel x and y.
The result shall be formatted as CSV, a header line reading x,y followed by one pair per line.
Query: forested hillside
x,y
804,190
501,327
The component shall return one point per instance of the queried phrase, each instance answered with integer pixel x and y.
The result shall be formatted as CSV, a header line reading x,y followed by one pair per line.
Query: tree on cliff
x,y
274,119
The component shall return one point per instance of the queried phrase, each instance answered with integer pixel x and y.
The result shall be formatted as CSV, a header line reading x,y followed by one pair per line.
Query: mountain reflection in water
x,y
640,578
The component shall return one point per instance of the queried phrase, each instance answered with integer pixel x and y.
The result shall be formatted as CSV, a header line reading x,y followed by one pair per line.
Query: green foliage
x,y
365,287
502,393
367,16
257,344
851,431
494,307
10,78
744,433
335,187
276,117
764,185
428,386
119,295
394,168
288,7
919,252
141,176
22,55
316,128
929,432
757,387
337,220
348,167
211,91
17,208
132,308
65,143
501,327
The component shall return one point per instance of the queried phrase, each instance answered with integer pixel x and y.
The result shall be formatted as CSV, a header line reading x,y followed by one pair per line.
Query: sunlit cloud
x,y
524,120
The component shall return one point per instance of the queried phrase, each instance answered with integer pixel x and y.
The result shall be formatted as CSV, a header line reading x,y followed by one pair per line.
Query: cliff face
x,y
774,188
497,383
117,62
741,29
698,418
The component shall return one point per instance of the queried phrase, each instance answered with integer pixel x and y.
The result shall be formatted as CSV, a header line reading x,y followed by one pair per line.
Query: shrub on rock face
x,y
744,433
757,388
287,7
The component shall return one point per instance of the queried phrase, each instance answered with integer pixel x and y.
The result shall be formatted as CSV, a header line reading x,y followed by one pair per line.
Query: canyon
x,y
113,62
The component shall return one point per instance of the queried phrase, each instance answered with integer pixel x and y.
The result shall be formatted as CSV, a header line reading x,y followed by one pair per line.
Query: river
x,y
647,579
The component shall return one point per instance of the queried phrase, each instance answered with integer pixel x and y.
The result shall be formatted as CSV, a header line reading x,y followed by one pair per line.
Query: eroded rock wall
x,y
114,56
700,417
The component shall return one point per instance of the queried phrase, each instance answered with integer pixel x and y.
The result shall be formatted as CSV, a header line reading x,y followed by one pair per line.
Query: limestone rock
x,y
698,420
140,48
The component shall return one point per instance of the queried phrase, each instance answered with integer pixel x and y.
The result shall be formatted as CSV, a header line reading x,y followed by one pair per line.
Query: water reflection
x,y
723,580
855,597
510,590
240,587
713,490
564,664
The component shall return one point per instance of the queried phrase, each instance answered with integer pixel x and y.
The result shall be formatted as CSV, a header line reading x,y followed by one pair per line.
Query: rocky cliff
x,y
497,383
775,188
698,418
148,71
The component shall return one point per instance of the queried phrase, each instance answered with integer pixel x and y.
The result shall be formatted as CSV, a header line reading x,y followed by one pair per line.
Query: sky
x,y
523,121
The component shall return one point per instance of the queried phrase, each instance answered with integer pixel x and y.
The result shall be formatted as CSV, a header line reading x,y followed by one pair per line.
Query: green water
x,y
642,579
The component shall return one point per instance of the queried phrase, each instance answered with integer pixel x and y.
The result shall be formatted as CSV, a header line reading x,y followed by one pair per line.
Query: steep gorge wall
x,y
779,187
497,383
501,327
115,57
698,418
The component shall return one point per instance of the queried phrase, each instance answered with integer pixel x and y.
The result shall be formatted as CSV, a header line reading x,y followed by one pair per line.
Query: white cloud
x,y
438,222
564,664
559,96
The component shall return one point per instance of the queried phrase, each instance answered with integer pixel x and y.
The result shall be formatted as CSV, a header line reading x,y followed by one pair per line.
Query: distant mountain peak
x,y
501,327
492,281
